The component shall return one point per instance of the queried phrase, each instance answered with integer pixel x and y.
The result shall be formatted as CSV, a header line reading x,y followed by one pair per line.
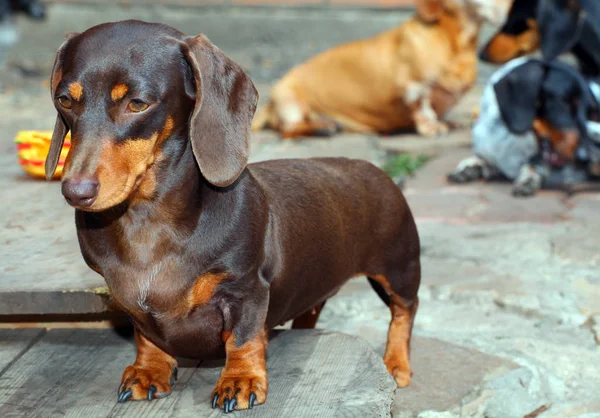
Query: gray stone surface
x,y
517,292
267,42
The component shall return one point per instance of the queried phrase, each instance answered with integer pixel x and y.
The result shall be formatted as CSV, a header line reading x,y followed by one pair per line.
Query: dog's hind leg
x,y
397,350
397,283
418,97
472,169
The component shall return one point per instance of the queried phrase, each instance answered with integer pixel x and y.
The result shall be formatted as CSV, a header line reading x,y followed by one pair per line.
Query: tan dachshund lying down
x,y
405,78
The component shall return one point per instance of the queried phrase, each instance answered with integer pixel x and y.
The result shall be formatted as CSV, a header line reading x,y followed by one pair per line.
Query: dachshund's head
x,y
549,100
136,96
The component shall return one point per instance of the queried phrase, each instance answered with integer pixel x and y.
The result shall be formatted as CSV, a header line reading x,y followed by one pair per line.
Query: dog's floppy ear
x,y
517,95
429,11
225,103
60,127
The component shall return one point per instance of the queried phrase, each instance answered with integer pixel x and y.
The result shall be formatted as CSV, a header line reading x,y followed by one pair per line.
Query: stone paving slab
x,y
527,293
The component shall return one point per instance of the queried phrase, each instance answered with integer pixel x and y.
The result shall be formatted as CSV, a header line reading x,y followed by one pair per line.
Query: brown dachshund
x,y
204,252
405,78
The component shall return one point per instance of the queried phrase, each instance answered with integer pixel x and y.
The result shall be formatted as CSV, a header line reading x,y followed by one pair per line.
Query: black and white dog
x,y
537,126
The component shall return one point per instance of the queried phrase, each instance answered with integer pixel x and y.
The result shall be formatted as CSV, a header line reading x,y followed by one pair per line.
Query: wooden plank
x,y
41,268
14,343
313,373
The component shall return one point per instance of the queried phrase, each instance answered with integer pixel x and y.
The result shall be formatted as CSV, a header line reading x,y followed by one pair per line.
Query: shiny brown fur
x,y
203,251
389,82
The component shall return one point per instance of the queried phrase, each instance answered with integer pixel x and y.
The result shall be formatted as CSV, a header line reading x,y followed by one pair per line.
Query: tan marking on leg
x,y
152,367
76,90
245,372
118,92
397,350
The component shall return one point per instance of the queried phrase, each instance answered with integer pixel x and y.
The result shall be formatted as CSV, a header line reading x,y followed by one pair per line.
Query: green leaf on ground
x,y
404,165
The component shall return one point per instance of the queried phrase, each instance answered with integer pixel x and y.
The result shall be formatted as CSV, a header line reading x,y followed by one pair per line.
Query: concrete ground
x,y
509,319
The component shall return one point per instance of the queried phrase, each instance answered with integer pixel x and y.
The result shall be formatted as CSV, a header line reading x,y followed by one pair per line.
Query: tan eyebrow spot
x,y
76,90
118,92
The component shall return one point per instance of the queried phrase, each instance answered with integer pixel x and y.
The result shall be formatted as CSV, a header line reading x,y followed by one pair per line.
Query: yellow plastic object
x,y
32,149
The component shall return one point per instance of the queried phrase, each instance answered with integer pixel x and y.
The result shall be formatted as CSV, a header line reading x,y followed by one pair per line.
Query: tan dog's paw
x,y
143,383
428,127
239,392
401,375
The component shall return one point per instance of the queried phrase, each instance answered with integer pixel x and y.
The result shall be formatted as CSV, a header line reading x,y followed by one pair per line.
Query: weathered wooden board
x,y
75,373
13,343
41,268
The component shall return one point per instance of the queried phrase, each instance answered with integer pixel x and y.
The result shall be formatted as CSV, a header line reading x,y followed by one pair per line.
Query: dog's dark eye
x,y
65,102
137,106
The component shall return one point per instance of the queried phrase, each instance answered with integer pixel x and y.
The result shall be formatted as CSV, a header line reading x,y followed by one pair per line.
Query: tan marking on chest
x,y
76,90
204,289
201,293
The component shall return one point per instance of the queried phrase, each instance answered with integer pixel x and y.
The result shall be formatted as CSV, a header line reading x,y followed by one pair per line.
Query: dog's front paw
x,y
400,375
146,383
526,189
430,127
528,182
239,392
466,175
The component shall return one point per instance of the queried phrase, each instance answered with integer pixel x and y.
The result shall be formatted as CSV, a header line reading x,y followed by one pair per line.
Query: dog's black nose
x,y
80,192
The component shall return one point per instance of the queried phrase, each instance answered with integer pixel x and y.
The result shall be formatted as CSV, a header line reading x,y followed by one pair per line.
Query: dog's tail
x,y
263,118
381,292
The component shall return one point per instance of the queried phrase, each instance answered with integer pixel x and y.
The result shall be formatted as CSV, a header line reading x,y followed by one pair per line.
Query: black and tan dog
x,y
538,127
553,26
204,252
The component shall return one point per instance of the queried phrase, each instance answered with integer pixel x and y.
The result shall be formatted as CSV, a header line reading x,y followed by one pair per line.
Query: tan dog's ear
x,y
60,127
226,100
429,11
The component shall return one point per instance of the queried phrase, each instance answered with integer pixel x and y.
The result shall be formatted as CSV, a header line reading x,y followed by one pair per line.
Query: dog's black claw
x,y
251,400
226,405
124,396
214,401
232,404
151,392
